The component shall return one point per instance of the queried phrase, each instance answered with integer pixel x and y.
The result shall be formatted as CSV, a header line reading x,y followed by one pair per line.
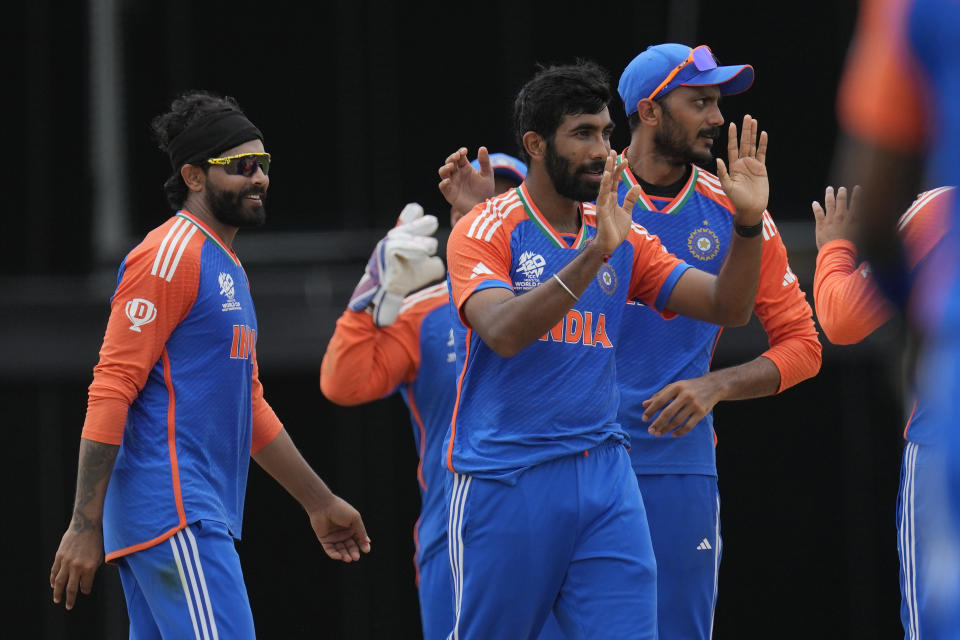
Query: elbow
x,y
841,334
736,317
336,393
503,343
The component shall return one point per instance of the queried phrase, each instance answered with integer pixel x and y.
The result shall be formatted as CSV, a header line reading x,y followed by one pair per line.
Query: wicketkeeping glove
x,y
402,262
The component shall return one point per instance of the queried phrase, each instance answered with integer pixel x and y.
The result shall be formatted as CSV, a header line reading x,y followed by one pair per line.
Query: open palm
x,y
746,182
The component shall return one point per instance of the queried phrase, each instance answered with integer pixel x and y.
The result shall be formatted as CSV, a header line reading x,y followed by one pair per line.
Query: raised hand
x,y
836,219
463,186
401,263
613,220
745,182
340,530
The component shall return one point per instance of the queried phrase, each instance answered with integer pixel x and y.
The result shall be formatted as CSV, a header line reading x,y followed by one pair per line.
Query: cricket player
x,y
901,131
849,308
373,353
176,409
671,94
544,511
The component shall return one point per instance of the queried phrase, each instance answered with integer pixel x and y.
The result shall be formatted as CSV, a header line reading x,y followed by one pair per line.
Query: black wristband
x,y
748,232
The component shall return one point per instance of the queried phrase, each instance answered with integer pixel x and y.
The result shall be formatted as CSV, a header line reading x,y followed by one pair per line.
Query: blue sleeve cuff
x,y
667,288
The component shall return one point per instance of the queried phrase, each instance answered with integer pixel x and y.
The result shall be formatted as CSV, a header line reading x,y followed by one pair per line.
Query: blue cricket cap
x,y
505,166
651,68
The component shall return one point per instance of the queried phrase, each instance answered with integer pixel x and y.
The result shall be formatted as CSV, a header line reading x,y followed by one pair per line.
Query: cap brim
x,y
730,80
506,171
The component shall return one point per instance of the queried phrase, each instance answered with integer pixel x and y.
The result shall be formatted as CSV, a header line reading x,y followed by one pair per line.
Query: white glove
x,y
402,262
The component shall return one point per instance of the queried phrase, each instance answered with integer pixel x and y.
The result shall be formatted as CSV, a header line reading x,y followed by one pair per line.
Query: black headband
x,y
210,135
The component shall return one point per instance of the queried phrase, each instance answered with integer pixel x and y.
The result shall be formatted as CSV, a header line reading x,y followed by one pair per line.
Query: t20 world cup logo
x,y
140,312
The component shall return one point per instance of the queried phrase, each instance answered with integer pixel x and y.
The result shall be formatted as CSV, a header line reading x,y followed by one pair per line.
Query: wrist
x,y
748,230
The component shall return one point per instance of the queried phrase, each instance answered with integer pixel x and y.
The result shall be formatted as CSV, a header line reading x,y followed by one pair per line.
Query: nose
x,y
259,178
715,117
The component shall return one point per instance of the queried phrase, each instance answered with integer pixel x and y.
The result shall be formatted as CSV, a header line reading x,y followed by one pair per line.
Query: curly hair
x,y
555,92
184,110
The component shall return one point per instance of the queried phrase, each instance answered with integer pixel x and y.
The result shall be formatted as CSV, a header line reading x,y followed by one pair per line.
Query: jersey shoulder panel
x,y
709,185
426,300
925,223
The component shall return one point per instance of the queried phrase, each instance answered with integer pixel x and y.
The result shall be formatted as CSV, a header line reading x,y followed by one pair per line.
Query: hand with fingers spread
x,y
745,181
613,220
463,186
836,219
340,530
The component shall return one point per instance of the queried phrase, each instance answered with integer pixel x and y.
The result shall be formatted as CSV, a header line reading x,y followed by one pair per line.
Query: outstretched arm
x,y
728,298
81,548
338,526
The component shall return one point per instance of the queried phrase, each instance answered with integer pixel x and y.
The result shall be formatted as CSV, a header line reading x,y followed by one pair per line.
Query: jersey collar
x,y
545,227
186,215
644,201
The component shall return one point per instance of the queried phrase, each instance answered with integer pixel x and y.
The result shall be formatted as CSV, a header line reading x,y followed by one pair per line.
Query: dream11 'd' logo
x,y
140,312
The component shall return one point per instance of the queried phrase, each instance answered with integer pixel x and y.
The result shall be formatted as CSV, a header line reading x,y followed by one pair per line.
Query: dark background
x,y
360,102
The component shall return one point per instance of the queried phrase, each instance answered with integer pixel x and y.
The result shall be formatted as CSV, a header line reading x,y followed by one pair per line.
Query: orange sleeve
x,y
849,305
364,363
883,95
478,254
653,267
266,424
144,311
785,314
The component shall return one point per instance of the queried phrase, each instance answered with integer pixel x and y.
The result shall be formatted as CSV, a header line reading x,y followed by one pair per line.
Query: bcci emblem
x,y
607,279
227,289
140,312
703,244
531,268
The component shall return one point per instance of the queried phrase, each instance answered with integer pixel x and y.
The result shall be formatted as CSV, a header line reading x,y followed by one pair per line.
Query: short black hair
x,y
555,92
184,110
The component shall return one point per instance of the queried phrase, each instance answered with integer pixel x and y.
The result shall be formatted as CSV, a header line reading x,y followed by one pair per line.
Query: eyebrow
x,y
610,126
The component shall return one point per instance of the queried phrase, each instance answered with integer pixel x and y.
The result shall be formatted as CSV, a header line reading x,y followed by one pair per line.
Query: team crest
x,y
227,289
607,279
703,244
530,269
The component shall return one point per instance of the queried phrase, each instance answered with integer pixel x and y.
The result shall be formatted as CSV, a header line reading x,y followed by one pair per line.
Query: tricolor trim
x,y
908,541
921,201
544,225
211,235
187,557
644,200
458,500
172,248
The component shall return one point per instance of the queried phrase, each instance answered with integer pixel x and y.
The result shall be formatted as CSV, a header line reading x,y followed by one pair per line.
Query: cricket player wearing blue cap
x,y
671,94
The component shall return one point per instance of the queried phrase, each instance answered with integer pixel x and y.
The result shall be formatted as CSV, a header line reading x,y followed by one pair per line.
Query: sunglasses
x,y
244,164
701,57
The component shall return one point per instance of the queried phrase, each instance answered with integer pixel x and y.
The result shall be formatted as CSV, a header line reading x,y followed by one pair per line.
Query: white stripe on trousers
x,y
201,610
461,485
908,541
717,543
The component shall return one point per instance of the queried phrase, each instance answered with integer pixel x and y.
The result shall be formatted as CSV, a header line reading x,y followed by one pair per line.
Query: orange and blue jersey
x,y
414,355
558,395
898,92
696,225
850,306
177,388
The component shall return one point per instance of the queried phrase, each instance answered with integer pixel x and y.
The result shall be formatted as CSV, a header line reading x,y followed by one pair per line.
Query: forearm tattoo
x,y
96,464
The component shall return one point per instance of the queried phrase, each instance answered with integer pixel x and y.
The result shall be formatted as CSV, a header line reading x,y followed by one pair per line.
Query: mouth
x,y
592,174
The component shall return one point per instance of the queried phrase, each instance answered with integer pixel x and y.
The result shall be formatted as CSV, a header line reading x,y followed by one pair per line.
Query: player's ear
x,y
193,176
649,112
534,145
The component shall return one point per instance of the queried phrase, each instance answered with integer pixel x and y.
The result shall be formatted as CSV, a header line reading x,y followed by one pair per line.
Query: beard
x,y
568,183
670,142
231,209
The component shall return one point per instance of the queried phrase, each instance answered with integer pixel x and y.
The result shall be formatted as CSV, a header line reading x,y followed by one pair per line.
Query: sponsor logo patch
x,y
140,311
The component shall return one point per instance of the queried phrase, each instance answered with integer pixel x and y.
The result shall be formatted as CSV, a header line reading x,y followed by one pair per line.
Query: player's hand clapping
x,y
745,182
613,220
463,186
836,219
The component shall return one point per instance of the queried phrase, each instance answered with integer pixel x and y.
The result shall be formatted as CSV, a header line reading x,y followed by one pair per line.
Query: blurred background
x,y
360,102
